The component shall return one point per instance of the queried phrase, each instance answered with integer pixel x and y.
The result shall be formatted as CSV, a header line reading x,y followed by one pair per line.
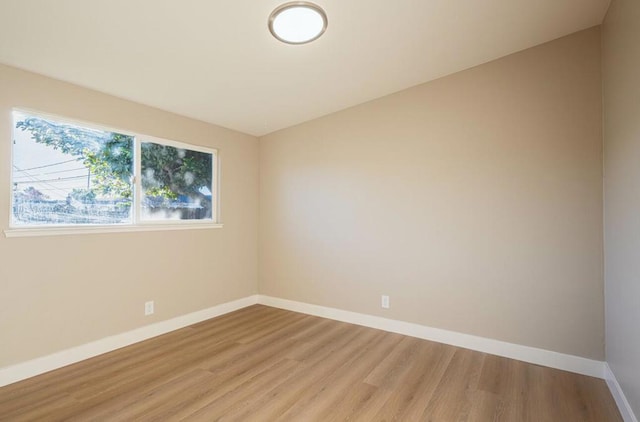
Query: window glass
x,y
176,183
65,174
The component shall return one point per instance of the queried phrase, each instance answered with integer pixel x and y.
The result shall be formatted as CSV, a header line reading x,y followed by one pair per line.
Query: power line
x,y
50,172
64,171
59,179
36,180
47,165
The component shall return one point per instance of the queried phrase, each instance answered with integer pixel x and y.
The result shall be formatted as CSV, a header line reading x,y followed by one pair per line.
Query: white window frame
x,y
137,224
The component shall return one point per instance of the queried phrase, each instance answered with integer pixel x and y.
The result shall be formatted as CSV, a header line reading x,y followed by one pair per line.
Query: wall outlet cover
x,y
149,307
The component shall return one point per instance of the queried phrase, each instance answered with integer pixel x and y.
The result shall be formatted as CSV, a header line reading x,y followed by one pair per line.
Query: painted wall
x,y
473,201
621,83
63,291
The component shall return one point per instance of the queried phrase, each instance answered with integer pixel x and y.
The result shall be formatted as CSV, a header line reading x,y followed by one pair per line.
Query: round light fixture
x,y
297,22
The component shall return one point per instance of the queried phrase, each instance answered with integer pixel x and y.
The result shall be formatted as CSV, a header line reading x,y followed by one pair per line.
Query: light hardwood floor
x,y
263,364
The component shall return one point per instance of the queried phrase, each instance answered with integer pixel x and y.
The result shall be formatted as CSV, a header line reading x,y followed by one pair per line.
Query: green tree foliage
x,y
170,172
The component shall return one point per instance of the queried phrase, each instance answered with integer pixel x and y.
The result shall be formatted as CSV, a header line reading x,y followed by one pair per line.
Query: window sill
x,y
61,231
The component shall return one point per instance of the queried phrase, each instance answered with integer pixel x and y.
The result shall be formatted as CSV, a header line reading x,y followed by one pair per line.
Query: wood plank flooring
x,y
267,364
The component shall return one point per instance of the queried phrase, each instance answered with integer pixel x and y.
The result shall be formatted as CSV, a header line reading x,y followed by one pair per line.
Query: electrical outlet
x,y
148,307
385,302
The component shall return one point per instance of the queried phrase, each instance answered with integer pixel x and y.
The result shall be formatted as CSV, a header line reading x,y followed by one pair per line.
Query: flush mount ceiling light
x,y
297,22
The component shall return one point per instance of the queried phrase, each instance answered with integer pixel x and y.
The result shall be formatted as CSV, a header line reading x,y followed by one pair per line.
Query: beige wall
x,y
63,291
621,64
474,201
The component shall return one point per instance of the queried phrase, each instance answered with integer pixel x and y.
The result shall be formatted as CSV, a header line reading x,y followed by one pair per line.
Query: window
x,y
66,175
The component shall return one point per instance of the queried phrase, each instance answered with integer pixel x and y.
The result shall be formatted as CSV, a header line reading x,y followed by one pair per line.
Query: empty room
x,y
364,210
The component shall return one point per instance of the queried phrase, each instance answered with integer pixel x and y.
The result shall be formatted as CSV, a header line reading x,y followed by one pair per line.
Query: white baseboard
x,y
618,395
548,358
20,371
534,355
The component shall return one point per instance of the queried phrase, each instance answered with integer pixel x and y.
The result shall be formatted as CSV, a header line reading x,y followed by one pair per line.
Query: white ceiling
x,y
214,60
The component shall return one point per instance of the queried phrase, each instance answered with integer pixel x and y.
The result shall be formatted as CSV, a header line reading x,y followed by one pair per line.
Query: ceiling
x,y
215,60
